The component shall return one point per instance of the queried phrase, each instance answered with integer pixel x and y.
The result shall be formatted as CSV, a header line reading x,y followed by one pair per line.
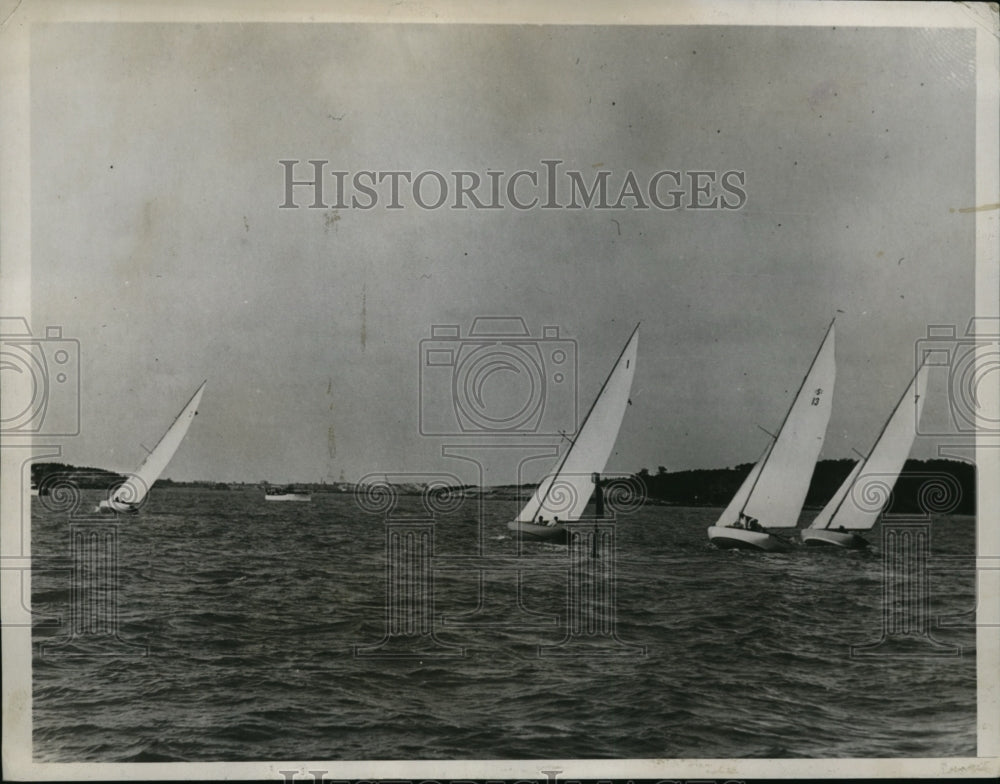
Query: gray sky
x,y
157,240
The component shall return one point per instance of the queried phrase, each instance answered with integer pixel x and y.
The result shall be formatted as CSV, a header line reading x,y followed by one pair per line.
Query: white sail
x,y
134,489
780,490
826,514
732,512
565,493
859,509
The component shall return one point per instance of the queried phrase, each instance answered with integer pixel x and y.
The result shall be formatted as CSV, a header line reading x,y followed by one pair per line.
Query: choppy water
x,y
252,613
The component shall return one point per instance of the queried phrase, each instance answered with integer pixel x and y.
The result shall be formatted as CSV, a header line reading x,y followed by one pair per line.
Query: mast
x,y
788,413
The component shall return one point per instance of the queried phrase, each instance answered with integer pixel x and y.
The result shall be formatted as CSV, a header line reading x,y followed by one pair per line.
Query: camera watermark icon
x,y
907,560
125,496
970,363
94,594
906,595
934,492
41,381
591,596
587,565
409,551
439,493
17,562
94,580
985,571
566,495
498,379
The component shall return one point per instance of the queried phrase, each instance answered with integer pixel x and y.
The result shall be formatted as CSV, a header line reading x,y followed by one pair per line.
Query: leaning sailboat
x,y
563,495
774,491
128,496
846,513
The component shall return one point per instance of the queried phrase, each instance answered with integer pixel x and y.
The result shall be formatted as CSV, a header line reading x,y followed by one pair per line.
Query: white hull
x,y
287,497
821,536
548,533
116,507
728,538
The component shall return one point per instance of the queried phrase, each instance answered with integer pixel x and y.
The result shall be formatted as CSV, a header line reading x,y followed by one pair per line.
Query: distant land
x,y
43,475
947,485
944,484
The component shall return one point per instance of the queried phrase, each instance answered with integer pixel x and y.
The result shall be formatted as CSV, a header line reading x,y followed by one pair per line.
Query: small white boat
x,y
774,491
128,496
286,494
562,496
872,478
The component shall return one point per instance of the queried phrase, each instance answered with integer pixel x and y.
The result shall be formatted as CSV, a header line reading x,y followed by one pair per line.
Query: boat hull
x,y
728,538
288,497
821,536
116,507
546,533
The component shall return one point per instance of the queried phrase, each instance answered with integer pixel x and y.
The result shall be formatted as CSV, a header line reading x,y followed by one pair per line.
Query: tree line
x,y
923,485
932,485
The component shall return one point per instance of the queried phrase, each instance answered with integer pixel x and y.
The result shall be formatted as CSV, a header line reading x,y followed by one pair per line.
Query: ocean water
x,y
250,630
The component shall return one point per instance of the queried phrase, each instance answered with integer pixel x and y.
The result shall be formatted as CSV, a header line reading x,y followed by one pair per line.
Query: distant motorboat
x,y
286,493
843,515
563,495
128,496
775,490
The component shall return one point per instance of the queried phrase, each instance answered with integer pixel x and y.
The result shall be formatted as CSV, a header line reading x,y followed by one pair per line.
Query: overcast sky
x,y
158,241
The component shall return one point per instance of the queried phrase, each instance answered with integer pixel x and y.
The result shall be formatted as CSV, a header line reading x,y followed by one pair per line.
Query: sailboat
x,y
773,492
563,495
843,515
128,496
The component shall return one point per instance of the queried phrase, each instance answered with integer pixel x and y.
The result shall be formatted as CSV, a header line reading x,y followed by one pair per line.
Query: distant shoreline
x,y
946,484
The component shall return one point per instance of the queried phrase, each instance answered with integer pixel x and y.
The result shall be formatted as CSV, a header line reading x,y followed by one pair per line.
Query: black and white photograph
x,y
430,391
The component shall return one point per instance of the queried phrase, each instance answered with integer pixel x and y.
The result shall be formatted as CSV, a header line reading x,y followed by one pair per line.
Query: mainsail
x,y
777,495
134,489
565,493
876,475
